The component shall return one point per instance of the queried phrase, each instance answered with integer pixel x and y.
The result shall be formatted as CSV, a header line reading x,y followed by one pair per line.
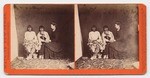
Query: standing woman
x,y
30,42
108,38
43,38
95,42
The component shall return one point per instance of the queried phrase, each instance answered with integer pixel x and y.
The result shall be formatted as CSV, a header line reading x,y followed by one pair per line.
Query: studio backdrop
x,y
37,15
100,15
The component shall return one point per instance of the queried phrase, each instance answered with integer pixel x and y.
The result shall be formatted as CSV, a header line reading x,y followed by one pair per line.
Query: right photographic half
x,y
108,36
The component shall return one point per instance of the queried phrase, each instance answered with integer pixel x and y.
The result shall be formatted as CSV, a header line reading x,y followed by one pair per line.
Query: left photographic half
x,y
41,36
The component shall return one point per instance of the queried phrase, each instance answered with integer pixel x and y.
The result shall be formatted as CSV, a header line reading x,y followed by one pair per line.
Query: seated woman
x,y
54,48
95,42
30,43
43,38
108,38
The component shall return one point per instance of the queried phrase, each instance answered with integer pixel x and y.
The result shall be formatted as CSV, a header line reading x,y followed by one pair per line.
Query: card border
x,y
142,52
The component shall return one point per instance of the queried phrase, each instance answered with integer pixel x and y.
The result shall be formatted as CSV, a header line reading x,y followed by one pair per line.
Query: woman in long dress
x,y
30,43
54,48
95,42
43,38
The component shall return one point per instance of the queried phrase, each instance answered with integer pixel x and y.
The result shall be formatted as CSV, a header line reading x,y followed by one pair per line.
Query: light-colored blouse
x,y
95,35
45,35
108,34
30,35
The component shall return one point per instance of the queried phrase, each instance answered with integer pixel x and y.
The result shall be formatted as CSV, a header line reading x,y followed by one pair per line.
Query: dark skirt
x,y
111,52
42,50
52,50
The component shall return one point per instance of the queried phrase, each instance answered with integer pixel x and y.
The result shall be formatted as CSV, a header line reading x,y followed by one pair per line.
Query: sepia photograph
x,y
109,36
75,39
42,36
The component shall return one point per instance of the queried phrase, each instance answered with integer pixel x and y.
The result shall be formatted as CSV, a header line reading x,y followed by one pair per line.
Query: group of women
x,y
99,44
35,45
38,46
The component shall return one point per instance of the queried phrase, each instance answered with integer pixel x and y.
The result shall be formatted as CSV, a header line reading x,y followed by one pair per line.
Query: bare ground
x,y
86,63
39,64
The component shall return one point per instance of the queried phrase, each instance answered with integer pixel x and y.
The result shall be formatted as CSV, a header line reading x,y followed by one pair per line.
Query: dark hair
x,y
53,23
41,27
93,27
105,26
117,22
29,26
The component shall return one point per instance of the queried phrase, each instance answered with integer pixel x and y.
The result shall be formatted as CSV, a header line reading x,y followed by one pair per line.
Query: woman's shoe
x,y
99,56
29,57
35,56
105,57
93,57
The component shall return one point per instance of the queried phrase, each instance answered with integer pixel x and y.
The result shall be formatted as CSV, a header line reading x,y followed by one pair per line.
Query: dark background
x,y
101,15
36,15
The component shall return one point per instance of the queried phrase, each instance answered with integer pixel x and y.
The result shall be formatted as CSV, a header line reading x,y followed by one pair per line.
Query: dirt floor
x,y
39,64
86,63
82,63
